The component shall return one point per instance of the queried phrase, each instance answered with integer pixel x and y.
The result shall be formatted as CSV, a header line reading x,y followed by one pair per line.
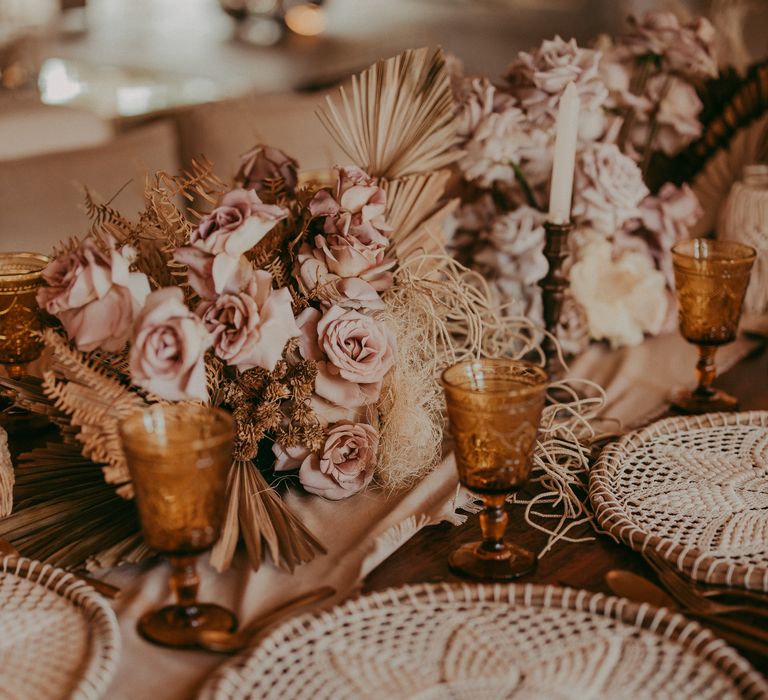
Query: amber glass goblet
x,y
494,409
711,278
179,457
20,277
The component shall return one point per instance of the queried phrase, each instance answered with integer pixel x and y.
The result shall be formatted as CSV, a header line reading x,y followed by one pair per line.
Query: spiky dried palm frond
x,y
256,513
66,514
399,119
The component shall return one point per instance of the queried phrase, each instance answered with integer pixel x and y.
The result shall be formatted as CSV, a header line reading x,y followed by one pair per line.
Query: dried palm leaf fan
x,y
399,126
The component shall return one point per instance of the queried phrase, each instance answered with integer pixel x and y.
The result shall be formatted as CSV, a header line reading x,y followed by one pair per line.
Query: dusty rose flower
x,y
677,115
263,163
94,295
355,210
287,458
623,297
237,224
250,328
538,79
346,464
167,355
608,188
668,217
363,346
330,289
211,275
495,145
685,48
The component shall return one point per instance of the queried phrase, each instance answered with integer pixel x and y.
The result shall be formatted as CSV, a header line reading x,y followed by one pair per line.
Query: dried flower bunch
x,y
637,98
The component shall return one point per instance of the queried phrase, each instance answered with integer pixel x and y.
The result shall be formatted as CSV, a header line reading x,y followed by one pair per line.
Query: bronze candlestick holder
x,y
553,287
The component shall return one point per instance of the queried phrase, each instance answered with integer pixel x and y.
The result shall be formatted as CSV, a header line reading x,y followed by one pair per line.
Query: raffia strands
x,y
6,476
448,316
256,512
65,512
399,119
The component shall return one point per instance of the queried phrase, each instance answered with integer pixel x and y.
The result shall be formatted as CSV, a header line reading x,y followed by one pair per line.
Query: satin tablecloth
x,y
363,531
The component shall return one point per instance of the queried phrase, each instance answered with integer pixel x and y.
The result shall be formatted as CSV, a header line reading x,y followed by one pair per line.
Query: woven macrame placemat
x,y
58,637
477,642
695,489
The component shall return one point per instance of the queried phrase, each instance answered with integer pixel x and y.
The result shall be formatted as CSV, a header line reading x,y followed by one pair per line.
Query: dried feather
x,y
400,118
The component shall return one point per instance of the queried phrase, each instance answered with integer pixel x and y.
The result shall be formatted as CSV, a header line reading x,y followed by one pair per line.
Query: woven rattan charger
x,y
695,489
58,638
435,641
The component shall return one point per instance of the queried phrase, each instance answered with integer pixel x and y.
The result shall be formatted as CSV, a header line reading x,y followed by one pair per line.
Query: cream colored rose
x,y
346,464
623,298
94,295
167,355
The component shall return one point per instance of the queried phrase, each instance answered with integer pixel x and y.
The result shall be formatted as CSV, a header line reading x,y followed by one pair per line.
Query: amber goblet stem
x,y
705,370
493,523
184,582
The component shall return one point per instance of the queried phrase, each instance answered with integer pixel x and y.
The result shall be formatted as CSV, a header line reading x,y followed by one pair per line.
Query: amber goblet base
x,y
696,402
179,626
492,558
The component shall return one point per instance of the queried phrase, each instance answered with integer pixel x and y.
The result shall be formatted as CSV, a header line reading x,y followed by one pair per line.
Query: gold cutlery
x,y
689,597
628,584
231,642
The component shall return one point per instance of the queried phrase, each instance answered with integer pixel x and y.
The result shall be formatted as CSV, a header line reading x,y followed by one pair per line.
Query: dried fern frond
x,y
399,119
198,182
95,401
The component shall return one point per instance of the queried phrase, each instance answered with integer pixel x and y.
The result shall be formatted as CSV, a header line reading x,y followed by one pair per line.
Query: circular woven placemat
x,y
695,489
58,637
433,642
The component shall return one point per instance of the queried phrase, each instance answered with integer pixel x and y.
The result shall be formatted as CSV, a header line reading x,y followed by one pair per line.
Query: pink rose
x,y
346,464
250,328
678,115
211,275
688,49
329,289
608,188
167,356
330,385
237,224
668,218
287,458
264,163
356,210
539,78
94,295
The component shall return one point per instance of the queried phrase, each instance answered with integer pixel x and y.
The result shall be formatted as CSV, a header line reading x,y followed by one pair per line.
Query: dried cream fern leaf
x,y
399,119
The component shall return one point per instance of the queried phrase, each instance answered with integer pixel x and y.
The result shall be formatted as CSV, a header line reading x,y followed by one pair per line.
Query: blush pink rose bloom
x,y
353,354
212,275
355,212
539,78
94,295
237,224
167,356
346,463
685,48
250,328
264,163
214,256
608,188
668,218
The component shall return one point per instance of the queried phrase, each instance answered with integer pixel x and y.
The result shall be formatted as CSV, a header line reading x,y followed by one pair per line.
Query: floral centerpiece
x,y
638,100
319,316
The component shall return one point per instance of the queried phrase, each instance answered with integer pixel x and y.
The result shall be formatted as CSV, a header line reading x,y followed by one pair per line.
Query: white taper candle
x,y
567,130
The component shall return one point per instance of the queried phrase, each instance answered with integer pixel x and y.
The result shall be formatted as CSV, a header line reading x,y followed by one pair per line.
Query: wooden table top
x,y
579,565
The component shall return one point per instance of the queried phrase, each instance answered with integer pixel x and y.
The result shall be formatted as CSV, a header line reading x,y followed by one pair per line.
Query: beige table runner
x,y
363,531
